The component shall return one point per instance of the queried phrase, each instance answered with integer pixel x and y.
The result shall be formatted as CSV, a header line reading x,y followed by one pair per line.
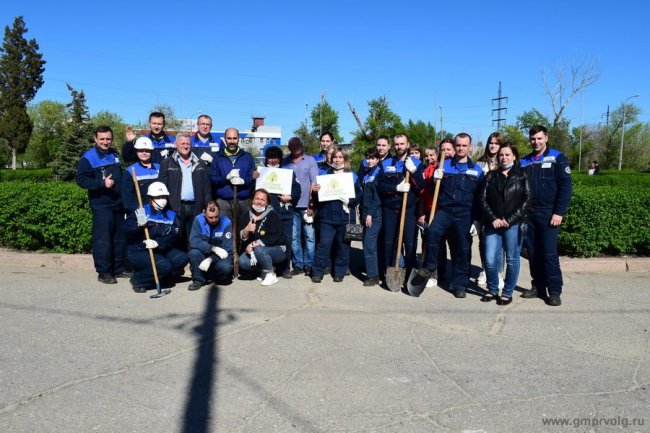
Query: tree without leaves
x,y
21,75
562,88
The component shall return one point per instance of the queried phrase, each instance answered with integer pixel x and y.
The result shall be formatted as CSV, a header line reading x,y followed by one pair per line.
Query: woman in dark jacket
x,y
262,238
505,199
333,216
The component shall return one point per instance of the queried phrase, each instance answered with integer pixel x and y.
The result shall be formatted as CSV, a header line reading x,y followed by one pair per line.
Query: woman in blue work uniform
x,y
333,216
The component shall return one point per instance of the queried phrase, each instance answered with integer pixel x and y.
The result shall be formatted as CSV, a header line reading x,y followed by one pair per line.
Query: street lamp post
x,y
620,155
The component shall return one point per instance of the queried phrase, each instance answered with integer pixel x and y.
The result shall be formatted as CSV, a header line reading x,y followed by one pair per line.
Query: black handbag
x,y
353,232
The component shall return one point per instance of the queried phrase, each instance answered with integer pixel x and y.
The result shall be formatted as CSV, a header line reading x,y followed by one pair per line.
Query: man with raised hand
x,y
163,143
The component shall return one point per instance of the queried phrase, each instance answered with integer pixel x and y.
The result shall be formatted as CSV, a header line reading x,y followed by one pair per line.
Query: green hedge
x,y
612,178
55,216
51,216
607,220
26,175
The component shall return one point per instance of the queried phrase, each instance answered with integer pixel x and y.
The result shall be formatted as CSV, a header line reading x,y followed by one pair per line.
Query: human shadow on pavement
x,y
201,397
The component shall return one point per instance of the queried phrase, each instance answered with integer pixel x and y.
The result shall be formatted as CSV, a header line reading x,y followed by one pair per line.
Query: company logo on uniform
x,y
568,170
228,235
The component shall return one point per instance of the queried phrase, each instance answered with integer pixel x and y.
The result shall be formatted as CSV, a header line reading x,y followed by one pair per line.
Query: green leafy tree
x,y
21,75
49,119
515,136
423,134
77,136
116,123
381,120
171,122
311,143
325,118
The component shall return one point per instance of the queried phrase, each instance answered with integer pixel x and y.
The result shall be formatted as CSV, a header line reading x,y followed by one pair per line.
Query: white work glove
x,y
344,200
404,187
141,217
237,181
150,244
207,158
437,173
220,252
233,173
410,165
164,153
253,259
308,219
205,264
474,228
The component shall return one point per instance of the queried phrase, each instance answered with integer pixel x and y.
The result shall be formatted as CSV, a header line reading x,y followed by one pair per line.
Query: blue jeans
x,y
541,243
302,258
496,242
266,257
370,242
219,269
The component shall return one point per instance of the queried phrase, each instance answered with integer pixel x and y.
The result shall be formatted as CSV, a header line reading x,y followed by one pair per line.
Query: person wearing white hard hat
x,y
146,172
162,224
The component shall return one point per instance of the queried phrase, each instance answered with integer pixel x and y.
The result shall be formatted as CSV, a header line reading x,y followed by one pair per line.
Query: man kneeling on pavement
x,y
211,241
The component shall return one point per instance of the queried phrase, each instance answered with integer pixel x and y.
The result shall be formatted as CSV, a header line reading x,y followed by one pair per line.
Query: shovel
x,y
395,276
418,279
159,292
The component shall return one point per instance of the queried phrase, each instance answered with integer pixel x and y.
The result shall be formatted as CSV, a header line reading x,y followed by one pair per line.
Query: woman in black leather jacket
x,y
505,199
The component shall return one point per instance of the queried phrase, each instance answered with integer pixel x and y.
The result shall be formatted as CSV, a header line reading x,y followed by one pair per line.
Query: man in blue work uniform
x,y
100,172
549,174
391,185
205,143
232,167
211,255
163,143
458,212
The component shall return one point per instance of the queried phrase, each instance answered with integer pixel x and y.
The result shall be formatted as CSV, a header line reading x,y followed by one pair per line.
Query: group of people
x,y
203,208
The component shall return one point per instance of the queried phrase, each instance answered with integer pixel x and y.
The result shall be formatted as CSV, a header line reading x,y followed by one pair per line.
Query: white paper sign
x,y
275,180
334,186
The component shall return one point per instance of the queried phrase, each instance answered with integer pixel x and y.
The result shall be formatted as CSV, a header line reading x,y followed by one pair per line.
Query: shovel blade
x,y
161,293
418,282
395,278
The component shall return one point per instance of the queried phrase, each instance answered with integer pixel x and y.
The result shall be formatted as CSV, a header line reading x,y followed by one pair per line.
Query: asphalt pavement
x,y
80,356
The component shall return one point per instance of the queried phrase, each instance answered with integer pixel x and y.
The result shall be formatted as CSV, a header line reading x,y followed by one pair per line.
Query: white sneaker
x,y
502,283
432,282
482,279
270,279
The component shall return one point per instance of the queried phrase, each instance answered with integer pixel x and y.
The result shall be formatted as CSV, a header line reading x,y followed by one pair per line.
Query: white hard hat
x,y
157,189
143,143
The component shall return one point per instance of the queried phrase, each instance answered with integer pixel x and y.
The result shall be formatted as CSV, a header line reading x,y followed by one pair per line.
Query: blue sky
x,y
237,59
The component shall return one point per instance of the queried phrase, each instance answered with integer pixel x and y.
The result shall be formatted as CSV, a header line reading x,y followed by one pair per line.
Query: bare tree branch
x,y
561,91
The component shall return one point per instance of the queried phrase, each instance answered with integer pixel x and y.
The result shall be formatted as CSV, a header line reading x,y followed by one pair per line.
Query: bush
x,y
51,216
627,178
606,220
26,175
